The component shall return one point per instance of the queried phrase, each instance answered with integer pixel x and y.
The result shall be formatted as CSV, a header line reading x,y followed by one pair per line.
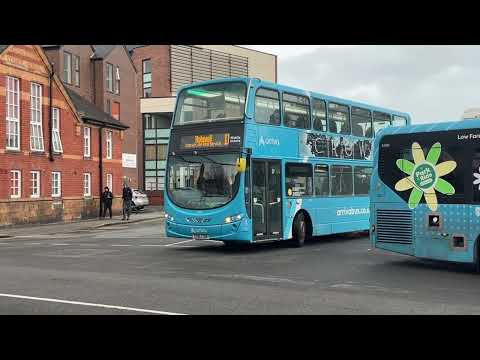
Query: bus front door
x,y
267,199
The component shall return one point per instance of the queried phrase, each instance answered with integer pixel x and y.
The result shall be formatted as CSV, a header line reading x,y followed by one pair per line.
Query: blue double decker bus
x,y
425,191
252,161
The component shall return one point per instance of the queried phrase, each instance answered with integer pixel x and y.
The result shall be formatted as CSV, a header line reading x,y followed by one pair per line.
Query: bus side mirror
x,y
241,164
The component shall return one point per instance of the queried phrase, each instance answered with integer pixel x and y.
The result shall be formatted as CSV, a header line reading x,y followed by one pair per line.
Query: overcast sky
x,y
432,83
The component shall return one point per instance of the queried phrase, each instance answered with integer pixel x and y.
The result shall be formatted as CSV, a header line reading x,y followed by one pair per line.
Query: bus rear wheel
x,y
299,230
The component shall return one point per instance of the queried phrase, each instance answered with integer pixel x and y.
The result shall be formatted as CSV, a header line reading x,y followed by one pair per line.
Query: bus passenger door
x,y
266,199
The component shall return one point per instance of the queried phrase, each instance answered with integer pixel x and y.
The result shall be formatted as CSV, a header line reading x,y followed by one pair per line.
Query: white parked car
x,y
139,200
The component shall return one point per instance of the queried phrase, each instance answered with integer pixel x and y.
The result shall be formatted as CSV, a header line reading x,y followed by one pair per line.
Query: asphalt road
x,y
134,269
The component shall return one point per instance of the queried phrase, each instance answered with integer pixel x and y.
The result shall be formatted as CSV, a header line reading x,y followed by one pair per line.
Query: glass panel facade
x,y
156,133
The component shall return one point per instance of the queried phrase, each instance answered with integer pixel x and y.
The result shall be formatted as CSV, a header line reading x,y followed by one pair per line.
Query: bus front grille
x,y
394,226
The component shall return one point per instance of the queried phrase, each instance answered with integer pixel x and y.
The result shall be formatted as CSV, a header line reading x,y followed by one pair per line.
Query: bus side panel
x,y
352,217
438,243
329,215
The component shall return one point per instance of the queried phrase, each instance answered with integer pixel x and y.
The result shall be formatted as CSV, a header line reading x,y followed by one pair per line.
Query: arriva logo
x,y
268,141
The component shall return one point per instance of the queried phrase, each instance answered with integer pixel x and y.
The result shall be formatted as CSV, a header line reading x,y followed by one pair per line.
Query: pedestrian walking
x,y
107,199
127,201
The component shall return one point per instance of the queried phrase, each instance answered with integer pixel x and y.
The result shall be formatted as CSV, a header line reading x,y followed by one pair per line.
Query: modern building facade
x,y
161,71
105,76
56,148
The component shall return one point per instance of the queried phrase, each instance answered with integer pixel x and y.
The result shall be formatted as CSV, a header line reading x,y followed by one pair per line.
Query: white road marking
x,y
33,244
181,242
89,304
59,244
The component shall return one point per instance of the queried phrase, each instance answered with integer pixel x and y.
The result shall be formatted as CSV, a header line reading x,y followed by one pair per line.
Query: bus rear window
x,y
209,103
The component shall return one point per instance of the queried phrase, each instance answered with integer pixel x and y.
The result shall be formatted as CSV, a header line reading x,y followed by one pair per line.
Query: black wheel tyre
x,y
299,230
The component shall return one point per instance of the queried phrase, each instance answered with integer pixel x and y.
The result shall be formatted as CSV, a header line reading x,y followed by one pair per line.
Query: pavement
x,y
132,268
149,213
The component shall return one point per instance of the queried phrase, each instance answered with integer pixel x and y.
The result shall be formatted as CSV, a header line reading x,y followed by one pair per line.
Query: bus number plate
x,y
199,236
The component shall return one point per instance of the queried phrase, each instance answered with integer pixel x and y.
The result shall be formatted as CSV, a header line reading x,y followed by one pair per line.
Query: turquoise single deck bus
x,y
253,161
425,191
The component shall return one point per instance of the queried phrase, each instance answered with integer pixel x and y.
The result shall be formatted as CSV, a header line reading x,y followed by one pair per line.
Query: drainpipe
x,y
50,120
100,167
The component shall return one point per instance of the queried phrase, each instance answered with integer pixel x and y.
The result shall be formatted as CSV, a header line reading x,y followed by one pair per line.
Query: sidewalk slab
x,y
83,225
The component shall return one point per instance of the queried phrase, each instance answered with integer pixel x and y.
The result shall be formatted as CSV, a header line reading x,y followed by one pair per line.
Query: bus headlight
x,y
168,217
230,219
373,228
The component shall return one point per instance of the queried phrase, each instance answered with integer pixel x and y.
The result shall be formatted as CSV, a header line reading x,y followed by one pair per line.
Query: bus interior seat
x,y
358,130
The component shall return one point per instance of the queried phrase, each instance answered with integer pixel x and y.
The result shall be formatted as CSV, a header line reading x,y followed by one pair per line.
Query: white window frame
x,y
117,80
13,113
76,70
36,121
87,184
86,141
15,184
109,78
56,184
109,141
35,184
68,69
110,182
56,139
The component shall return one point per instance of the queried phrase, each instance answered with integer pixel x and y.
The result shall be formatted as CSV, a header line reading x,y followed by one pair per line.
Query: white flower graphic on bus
x,y
477,178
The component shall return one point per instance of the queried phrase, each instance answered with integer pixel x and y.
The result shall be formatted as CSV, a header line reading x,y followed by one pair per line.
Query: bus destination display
x,y
209,141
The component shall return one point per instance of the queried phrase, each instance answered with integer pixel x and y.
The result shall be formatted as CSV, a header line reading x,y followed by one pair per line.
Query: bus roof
x,y
285,88
437,126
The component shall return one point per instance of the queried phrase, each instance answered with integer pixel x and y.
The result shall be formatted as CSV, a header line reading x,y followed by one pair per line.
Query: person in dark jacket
x,y
127,201
107,199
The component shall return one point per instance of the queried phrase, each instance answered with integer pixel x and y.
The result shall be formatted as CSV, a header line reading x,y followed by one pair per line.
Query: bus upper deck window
x,y
381,121
339,119
296,111
361,122
267,107
319,115
399,121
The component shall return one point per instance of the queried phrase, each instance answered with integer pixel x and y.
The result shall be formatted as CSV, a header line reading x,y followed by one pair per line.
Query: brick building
x,y
56,148
161,70
105,76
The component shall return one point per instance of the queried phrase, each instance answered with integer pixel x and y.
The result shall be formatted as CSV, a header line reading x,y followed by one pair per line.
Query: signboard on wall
x,y
129,160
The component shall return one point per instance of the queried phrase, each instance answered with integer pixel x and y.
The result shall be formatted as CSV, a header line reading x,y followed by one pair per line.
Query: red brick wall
x,y
160,58
71,163
55,55
127,99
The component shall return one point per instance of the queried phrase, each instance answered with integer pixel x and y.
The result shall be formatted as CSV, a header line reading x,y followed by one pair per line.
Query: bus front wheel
x,y
299,230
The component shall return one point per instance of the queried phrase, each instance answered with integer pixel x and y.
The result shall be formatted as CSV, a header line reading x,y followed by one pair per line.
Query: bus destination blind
x,y
209,141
